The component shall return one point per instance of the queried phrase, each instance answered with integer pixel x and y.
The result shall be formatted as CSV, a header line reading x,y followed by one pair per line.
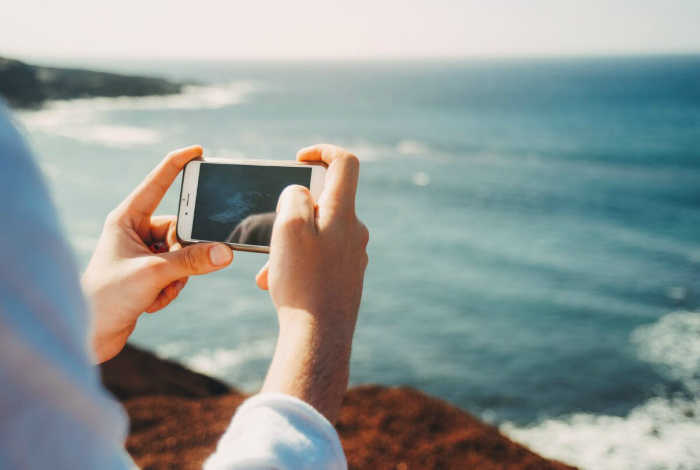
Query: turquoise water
x,y
535,225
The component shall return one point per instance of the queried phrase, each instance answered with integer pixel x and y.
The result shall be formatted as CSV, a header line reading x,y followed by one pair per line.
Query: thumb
x,y
201,258
295,204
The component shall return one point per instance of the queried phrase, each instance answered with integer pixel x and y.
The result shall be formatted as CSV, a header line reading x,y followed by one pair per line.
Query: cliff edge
x,y
177,416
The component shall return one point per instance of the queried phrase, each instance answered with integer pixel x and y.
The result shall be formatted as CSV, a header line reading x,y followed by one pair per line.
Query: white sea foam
x,y
82,125
80,119
662,433
673,344
219,362
192,97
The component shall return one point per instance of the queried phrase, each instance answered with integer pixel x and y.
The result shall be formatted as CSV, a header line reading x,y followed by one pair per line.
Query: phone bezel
x,y
188,194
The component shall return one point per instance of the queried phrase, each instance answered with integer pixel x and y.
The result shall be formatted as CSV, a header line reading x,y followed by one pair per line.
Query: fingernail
x,y
220,254
178,286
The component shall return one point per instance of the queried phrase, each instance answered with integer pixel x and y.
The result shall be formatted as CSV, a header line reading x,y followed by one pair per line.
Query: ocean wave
x,y
220,362
80,119
662,433
191,97
673,345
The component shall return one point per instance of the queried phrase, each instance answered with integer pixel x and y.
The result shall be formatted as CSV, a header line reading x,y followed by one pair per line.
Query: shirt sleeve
x,y
53,408
280,432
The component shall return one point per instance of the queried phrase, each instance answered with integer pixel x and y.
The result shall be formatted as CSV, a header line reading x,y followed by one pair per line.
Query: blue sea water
x,y
535,228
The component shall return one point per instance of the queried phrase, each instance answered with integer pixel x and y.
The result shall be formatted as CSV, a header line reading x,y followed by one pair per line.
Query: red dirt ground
x,y
177,416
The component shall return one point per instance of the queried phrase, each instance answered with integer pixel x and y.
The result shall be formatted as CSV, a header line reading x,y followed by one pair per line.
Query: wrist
x,y
311,361
322,329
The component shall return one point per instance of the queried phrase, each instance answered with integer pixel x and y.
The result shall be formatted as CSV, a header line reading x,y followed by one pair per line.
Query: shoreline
x,y
27,86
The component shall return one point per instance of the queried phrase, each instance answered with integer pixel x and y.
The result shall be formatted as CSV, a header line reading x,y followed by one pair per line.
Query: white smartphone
x,y
235,201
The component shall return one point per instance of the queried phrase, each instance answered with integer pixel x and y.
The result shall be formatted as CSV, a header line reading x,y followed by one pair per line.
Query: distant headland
x,y
29,86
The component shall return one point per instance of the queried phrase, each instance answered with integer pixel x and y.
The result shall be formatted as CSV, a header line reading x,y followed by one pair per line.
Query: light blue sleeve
x,y
54,412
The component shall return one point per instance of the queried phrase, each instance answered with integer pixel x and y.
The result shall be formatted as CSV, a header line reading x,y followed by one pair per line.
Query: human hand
x,y
124,278
315,275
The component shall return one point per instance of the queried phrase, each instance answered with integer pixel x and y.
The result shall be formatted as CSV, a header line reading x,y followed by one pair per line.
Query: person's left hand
x,y
124,278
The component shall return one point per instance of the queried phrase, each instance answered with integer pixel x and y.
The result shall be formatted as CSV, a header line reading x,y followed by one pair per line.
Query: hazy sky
x,y
313,29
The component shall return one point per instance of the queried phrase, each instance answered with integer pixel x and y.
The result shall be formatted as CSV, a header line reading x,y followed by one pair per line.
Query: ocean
x,y
535,231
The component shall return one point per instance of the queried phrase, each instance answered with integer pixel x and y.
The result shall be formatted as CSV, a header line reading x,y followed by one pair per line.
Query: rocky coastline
x,y
28,86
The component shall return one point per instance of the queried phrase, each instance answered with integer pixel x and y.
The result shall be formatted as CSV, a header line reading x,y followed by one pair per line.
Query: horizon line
x,y
31,58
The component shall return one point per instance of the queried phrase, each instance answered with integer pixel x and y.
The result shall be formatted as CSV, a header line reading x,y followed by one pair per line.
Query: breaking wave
x,y
224,362
662,433
80,119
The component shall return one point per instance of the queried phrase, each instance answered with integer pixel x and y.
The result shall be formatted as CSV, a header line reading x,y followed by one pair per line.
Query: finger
x,y
171,238
196,259
325,153
160,226
261,277
295,205
341,179
166,296
160,303
164,228
145,198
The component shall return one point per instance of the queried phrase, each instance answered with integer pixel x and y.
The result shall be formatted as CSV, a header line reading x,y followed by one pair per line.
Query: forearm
x,y
311,362
284,427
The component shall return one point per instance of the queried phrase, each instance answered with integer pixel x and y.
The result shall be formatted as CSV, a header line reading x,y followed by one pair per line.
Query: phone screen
x,y
237,203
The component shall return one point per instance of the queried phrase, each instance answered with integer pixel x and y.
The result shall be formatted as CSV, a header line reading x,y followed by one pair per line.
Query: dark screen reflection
x,y
237,203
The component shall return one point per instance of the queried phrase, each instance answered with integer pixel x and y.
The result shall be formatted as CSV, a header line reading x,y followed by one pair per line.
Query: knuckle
x,y
153,179
351,160
297,190
327,151
293,222
363,233
170,156
114,217
170,161
289,194
111,217
192,260
348,161
330,152
343,220
172,292
337,217
293,204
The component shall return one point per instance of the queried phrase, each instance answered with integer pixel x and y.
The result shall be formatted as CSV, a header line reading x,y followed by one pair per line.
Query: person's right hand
x,y
315,276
